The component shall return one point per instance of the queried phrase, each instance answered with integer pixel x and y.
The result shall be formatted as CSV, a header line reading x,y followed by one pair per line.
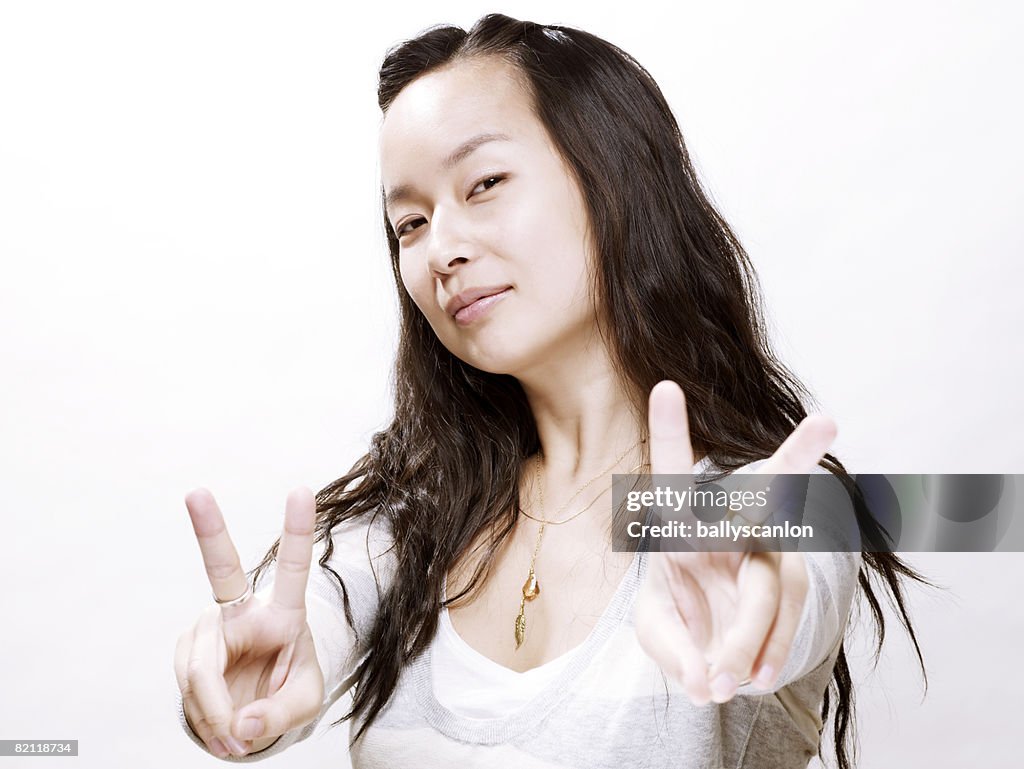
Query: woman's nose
x,y
448,243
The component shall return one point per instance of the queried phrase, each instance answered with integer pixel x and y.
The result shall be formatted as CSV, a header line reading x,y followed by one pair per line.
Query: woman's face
x,y
483,206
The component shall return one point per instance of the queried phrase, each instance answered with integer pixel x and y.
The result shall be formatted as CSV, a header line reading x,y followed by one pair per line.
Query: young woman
x,y
563,282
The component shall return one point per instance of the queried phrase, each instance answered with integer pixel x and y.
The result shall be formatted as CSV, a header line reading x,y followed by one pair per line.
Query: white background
x,y
195,291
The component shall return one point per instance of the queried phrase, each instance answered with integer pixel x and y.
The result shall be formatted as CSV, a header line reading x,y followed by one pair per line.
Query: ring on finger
x,y
235,601
741,683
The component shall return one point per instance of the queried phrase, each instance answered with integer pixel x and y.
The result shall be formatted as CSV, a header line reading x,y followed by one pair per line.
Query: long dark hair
x,y
447,468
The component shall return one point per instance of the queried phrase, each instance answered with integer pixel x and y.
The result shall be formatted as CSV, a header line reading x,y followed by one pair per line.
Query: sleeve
x,y
363,559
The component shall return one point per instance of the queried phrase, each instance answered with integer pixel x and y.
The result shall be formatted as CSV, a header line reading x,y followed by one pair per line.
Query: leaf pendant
x,y
521,626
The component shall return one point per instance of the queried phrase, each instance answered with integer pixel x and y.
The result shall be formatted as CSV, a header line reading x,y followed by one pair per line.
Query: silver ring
x,y
236,601
745,682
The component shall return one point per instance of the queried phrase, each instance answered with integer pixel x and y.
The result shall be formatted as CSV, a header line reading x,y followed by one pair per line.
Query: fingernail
x,y
235,746
723,687
251,728
218,749
765,676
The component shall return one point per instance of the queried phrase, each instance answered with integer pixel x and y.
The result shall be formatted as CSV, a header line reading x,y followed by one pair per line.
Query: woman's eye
x,y
490,180
405,228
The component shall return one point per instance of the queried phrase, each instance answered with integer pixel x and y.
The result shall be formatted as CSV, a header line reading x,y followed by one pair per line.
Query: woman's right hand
x,y
249,673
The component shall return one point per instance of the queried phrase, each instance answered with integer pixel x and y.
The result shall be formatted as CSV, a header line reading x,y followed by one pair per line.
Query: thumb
x,y
294,705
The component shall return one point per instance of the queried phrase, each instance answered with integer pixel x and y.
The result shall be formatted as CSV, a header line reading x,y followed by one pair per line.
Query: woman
x,y
563,282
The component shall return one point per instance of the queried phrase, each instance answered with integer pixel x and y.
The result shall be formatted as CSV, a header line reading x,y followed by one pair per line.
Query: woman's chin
x,y
493,361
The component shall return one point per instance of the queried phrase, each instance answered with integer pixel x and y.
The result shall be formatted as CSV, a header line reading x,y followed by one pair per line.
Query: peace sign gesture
x,y
715,620
247,669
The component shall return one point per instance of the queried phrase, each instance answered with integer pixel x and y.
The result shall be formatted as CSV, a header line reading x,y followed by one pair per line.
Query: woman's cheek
x,y
419,293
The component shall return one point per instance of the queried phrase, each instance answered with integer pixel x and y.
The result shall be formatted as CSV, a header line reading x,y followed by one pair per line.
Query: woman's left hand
x,y
714,620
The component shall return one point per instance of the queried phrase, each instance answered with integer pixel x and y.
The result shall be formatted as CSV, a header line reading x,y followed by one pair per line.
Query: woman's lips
x,y
479,308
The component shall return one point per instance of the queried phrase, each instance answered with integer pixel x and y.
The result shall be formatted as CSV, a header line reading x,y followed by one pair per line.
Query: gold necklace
x,y
531,588
581,512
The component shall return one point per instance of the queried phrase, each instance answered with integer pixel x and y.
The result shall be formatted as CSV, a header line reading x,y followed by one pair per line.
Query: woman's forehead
x,y
442,109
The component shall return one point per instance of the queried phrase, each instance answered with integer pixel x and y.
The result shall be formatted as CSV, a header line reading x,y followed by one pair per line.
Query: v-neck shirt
x,y
469,684
472,685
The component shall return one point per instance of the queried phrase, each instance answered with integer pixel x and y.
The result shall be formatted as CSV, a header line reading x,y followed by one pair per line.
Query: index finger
x,y
671,452
223,567
296,549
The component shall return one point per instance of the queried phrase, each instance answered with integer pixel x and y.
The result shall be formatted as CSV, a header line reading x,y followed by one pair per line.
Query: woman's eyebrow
x,y
470,145
460,153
